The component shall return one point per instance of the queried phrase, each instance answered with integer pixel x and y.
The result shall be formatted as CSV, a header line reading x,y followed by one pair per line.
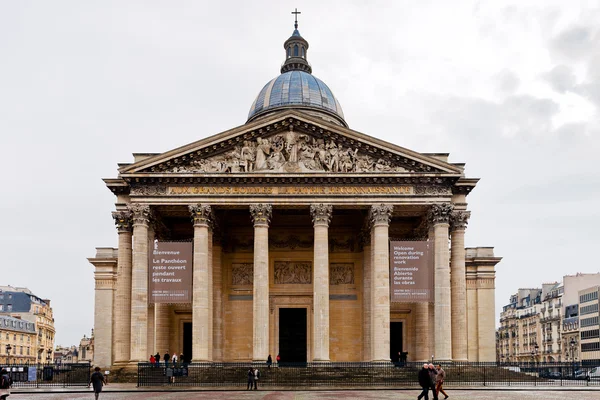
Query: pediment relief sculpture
x,y
290,152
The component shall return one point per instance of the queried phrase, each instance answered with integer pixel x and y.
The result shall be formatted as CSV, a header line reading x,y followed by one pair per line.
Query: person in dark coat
x,y
157,358
424,382
97,381
433,376
5,384
167,357
269,361
250,385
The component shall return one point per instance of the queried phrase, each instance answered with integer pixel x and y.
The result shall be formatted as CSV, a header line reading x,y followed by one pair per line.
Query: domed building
x,y
293,235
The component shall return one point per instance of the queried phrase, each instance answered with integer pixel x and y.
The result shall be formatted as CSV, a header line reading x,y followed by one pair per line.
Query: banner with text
x,y
170,272
411,273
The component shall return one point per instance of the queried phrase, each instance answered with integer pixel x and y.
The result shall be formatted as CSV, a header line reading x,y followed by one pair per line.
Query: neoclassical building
x,y
289,219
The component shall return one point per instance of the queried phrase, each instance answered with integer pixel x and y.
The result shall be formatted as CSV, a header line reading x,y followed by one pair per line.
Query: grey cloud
x,y
507,81
574,42
561,78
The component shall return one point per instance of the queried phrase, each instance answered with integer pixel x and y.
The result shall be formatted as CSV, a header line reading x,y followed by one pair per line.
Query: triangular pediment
x,y
290,142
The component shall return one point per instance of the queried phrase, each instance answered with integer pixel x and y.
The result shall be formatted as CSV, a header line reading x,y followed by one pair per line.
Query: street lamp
x,y
8,349
572,346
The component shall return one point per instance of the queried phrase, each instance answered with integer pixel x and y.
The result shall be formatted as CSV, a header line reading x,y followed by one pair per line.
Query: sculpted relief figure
x,y
289,152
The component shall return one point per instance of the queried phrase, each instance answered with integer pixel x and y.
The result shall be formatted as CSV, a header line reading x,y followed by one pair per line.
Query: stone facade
x,y
291,216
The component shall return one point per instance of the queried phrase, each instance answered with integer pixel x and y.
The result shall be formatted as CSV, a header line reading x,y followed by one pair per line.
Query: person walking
x,y
439,381
256,377
157,358
250,379
425,382
278,358
432,377
97,381
5,384
269,362
167,357
174,360
152,360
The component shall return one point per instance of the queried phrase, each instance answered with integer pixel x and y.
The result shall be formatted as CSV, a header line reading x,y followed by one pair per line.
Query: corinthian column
x,y
139,283
321,216
458,282
380,295
261,216
201,312
439,217
122,332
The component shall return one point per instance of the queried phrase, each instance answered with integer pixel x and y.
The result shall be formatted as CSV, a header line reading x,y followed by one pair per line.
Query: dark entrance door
x,y
187,341
395,341
292,335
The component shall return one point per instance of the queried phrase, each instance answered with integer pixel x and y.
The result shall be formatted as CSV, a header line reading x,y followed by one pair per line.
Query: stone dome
x,y
297,88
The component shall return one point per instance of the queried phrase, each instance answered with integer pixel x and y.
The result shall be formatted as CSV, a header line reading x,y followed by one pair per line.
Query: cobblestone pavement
x,y
321,395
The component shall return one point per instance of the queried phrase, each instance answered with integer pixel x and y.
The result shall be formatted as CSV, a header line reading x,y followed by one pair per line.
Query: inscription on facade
x,y
293,272
289,190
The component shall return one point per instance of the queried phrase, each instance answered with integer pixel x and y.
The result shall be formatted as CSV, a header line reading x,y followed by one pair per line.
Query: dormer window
x,y
295,50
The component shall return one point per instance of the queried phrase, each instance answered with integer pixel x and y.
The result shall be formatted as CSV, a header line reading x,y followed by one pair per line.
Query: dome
x,y
296,89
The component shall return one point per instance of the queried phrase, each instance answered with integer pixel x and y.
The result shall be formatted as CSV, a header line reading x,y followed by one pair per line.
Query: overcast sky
x,y
512,90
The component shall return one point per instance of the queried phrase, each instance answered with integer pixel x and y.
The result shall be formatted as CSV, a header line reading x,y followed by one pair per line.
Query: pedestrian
x,y
424,382
157,358
97,381
250,379
167,357
439,381
174,360
182,359
432,376
278,358
256,377
269,361
5,384
152,359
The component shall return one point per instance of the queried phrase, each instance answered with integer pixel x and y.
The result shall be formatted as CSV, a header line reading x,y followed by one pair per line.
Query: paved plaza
x,y
324,395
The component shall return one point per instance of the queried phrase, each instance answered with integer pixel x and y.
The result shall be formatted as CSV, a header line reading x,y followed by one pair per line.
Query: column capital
x,y
380,214
140,213
440,213
321,214
122,220
261,214
202,214
459,220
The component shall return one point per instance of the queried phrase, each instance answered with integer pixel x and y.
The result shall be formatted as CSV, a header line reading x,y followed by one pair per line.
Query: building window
x,y
1,307
295,50
303,52
289,52
9,307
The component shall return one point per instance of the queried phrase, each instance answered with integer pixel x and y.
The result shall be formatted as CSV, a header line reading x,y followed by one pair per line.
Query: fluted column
x,y
321,216
139,283
367,275
261,217
439,217
122,332
162,325
201,312
422,328
380,296
458,283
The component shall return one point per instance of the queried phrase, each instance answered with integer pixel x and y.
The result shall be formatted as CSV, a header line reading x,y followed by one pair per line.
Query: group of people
x,y
432,378
270,360
253,376
155,359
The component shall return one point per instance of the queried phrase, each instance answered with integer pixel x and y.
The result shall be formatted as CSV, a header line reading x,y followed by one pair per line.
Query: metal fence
x,y
46,375
355,375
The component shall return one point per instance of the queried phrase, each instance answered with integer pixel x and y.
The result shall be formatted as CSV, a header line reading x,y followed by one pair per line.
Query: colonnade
x,y
450,323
